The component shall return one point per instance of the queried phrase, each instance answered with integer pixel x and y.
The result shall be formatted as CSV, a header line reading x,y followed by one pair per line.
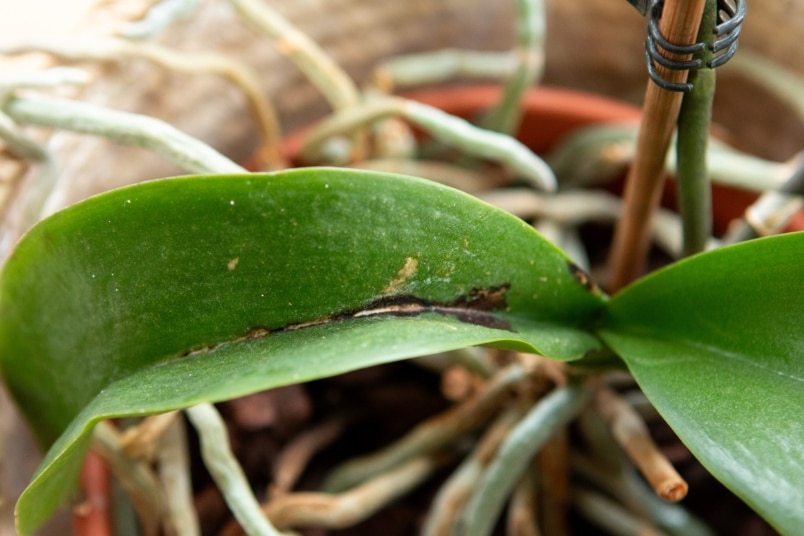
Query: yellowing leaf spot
x,y
233,263
404,273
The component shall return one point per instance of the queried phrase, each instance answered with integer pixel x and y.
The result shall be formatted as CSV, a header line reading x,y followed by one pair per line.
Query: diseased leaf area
x,y
155,271
475,308
197,289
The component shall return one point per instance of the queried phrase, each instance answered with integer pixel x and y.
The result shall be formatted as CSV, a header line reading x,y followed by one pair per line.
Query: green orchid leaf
x,y
717,344
197,289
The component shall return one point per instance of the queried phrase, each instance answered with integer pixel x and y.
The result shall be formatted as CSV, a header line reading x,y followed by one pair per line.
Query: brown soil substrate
x,y
389,400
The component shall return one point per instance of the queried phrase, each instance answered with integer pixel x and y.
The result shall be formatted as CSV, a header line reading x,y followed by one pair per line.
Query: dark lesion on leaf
x,y
477,307
583,278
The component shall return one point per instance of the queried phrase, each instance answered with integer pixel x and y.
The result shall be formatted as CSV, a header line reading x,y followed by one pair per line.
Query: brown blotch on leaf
x,y
472,308
406,272
476,308
583,278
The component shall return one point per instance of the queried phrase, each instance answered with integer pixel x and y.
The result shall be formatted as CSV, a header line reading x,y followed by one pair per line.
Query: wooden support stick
x,y
679,24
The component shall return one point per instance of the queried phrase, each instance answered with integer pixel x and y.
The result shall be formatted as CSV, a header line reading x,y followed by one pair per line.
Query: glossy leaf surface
x,y
169,293
717,344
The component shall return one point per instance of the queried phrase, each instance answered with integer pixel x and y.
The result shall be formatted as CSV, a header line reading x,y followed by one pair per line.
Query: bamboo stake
x,y
679,24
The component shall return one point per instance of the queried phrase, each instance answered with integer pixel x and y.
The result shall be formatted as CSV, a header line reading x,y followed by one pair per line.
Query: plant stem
x,y
158,17
694,120
430,435
292,460
597,154
17,144
515,453
443,127
122,127
311,509
135,477
45,177
633,436
441,66
174,474
609,515
20,146
320,69
552,473
523,514
506,115
608,471
679,24
771,212
575,207
226,471
483,143
603,464
140,441
671,517
456,490
203,63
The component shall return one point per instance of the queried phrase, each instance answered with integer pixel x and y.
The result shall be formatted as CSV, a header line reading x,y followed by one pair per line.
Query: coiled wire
x,y
730,17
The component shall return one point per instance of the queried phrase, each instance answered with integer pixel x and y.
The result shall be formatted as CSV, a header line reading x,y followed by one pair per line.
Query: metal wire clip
x,y
730,16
